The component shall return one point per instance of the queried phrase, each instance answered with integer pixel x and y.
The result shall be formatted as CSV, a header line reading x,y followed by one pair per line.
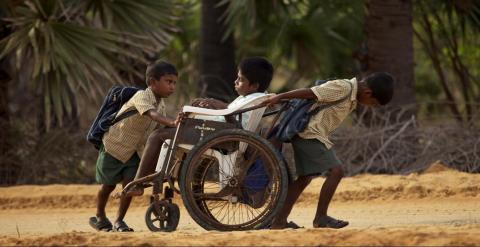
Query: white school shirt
x,y
234,104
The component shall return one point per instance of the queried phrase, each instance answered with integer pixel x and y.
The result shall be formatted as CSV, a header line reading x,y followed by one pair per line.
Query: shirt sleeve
x,y
143,102
331,90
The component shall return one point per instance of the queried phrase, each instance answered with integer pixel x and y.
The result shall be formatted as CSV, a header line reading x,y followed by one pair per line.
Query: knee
x,y
337,172
107,189
155,137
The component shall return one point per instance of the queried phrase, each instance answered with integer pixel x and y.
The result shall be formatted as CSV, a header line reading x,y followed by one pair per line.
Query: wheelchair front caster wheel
x,y
162,216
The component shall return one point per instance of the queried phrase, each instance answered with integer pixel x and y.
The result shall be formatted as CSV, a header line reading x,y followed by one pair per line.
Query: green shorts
x,y
111,171
312,158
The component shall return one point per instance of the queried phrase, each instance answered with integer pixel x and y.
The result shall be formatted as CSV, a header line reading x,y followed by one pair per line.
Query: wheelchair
x,y
229,177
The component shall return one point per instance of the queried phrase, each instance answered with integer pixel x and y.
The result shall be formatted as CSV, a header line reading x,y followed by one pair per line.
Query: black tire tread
x,y
237,132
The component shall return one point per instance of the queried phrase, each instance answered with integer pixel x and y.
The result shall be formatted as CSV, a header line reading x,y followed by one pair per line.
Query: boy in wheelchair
x,y
254,77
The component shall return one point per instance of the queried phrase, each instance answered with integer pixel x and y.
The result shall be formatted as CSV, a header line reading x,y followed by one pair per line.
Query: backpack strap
x,y
330,104
124,115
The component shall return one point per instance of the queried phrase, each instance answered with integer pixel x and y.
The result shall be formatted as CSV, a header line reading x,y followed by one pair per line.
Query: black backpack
x,y
297,115
116,97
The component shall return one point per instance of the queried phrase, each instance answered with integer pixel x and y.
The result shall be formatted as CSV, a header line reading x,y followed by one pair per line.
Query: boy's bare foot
x,y
278,225
326,221
289,225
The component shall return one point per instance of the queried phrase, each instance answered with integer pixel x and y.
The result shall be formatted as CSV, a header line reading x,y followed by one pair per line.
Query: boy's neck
x,y
361,86
157,98
248,94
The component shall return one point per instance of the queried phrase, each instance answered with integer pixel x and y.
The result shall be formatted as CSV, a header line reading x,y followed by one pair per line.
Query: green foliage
x,y
65,50
183,51
74,49
305,39
447,52
68,47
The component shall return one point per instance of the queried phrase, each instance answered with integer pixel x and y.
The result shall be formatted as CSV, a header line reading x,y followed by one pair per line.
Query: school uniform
x,y
312,148
125,141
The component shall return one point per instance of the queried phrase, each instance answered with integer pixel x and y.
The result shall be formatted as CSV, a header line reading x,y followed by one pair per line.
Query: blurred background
x,y
58,58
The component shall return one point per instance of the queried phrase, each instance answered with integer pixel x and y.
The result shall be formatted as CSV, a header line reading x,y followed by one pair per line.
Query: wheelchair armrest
x,y
247,106
205,111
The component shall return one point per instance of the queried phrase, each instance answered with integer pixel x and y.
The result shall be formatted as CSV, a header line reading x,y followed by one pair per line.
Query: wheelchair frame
x,y
166,212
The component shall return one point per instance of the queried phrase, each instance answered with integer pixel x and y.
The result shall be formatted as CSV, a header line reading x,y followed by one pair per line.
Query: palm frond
x,y
75,46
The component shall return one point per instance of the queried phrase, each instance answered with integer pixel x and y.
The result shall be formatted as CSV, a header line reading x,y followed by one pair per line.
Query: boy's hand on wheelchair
x,y
172,124
180,117
216,104
209,103
201,102
196,102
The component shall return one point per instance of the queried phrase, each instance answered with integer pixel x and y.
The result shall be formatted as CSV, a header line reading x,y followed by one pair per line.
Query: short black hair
x,y
158,69
257,70
381,84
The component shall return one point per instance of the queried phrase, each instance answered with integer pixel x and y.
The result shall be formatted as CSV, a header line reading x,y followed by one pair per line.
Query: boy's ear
x,y
150,80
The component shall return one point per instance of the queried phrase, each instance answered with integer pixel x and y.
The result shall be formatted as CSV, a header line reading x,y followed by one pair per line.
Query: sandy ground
x,y
437,207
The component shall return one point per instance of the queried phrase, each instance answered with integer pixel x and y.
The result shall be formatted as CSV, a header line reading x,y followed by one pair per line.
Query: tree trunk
x,y
217,57
8,171
389,31
4,113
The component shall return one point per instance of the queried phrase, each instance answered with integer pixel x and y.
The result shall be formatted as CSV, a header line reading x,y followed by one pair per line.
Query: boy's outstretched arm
x,y
304,93
157,117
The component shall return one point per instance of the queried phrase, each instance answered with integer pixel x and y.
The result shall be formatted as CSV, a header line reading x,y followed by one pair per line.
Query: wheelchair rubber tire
x,y
168,224
199,210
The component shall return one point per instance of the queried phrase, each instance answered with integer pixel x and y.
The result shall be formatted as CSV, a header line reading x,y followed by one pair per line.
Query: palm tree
x,y
8,173
73,49
389,46
217,53
305,39
61,52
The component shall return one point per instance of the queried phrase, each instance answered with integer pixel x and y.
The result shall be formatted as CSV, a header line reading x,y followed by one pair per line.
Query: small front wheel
x,y
162,216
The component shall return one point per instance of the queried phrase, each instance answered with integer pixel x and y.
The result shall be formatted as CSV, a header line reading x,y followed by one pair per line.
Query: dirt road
x,y
440,207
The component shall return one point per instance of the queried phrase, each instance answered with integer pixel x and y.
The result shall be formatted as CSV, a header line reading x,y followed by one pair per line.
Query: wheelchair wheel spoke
x,y
233,189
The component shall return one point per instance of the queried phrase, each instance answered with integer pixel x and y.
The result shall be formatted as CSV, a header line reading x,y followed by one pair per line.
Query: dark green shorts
x,y
312,158
111,171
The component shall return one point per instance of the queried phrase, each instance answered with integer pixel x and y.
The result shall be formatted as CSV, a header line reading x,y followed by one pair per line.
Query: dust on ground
x,y
439,206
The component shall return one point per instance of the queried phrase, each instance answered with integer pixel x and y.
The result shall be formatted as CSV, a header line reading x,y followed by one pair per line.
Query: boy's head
x,y
161,77
376,89
254,75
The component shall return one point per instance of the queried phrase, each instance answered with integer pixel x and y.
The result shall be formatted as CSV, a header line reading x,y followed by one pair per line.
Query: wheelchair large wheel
x,y
233,180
